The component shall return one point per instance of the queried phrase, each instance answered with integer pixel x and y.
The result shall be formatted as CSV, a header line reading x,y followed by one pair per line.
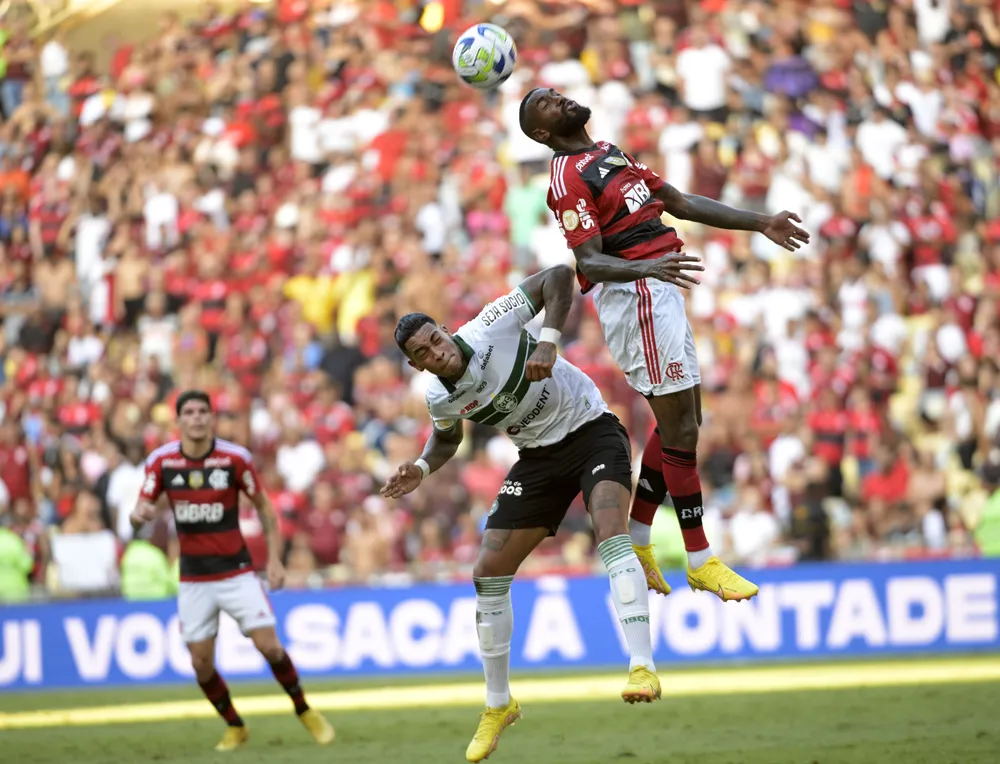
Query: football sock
x,y
628,590
284,671
495,624
650,492
680,473
217,692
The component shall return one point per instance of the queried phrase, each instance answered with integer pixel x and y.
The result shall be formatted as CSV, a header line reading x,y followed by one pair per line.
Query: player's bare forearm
x,y
701,209
552,289
601,268
269,522
441,446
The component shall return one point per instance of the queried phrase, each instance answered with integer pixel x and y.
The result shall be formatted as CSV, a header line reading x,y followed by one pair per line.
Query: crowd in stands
x,y
246,201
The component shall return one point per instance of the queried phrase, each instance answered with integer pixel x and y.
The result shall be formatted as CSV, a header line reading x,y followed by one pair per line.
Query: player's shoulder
x,y
234,450
436,395
167,450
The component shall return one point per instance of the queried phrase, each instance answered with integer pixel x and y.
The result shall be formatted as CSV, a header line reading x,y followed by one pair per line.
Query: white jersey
x,y
495,391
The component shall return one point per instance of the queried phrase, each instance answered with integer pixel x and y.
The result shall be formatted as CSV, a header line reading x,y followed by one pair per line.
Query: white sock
x,y
628,590
640,532
495,623
699,558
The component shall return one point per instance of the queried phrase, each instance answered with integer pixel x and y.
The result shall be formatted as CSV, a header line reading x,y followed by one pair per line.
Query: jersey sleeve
x,y
574,206
152,481
246,477
441,421
653,181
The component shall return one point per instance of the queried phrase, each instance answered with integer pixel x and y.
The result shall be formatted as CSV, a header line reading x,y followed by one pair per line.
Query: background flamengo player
x,y
202,478
609,208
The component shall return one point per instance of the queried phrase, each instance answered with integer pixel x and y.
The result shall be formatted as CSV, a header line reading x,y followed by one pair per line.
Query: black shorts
x,y
543,483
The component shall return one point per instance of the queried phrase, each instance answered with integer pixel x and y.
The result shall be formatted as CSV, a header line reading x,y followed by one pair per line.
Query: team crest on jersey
x,y
219,480
196,479
570,220
495,507
505,402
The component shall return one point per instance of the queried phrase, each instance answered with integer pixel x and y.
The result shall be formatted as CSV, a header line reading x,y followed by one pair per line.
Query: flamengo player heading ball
x,y
202,478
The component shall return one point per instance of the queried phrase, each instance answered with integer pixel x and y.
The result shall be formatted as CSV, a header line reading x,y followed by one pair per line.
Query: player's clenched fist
x,y
674,269
405,479
143,513
540,363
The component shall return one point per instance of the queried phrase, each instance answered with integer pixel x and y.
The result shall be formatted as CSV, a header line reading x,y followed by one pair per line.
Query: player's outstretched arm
x,y
598,267
551,289
441,446
780,228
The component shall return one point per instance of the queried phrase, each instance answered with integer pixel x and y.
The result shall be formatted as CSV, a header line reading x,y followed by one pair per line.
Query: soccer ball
x,y
484,56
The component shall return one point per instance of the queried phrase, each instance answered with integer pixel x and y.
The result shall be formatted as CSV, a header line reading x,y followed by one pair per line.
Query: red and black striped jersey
x,y
602,190
204,495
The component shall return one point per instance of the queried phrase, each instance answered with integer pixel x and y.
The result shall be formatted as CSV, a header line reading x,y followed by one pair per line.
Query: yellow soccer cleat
x,y
716,577
320,729
654,578
643,686
492,722
232,738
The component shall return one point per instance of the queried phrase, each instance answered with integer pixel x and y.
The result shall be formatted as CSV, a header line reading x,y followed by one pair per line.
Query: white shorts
x,y
648,334
242,597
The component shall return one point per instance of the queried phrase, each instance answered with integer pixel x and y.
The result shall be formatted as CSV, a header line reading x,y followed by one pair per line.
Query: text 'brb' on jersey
x,y
495,391
204,495
602,190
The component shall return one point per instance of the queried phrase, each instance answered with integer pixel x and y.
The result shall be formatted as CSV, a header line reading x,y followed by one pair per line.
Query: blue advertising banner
x,y
808,611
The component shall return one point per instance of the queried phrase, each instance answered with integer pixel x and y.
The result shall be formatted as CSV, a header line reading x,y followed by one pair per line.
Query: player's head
x,y
194,414
429,346
546,115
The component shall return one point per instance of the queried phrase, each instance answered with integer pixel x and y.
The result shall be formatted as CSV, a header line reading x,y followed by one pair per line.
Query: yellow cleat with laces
x,y
719,579
232,739
654,577
492,722
643,686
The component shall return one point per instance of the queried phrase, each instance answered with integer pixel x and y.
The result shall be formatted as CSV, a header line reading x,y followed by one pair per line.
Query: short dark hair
x,y
192,395
409,325
522,112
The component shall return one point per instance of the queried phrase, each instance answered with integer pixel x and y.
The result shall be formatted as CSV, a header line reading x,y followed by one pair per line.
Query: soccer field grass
x,y
922,712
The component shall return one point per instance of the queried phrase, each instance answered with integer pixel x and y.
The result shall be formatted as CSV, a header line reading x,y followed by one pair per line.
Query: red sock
x,y
217,692
651,491
284,671
680,473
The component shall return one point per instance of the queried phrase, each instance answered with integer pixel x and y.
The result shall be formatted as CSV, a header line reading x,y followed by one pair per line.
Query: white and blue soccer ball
x,y
484,56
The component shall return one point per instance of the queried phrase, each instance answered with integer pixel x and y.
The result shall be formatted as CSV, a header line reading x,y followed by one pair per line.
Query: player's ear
x,y
542,136
415,366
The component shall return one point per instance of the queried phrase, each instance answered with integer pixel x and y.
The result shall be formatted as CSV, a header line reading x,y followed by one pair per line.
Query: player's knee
x,y
609,510
681,431
203,665
487,566
269,646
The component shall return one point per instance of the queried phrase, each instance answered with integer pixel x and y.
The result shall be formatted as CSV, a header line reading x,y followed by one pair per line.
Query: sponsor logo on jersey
x,y
604,172
537,409
470,407
616,161
180,462
149,486
219,480
503,306
587,159
196,479
456,395
597,469
505,402
219,461
636,196
249,484
192,512
485,358
177,481
585,219
513,430
482,386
